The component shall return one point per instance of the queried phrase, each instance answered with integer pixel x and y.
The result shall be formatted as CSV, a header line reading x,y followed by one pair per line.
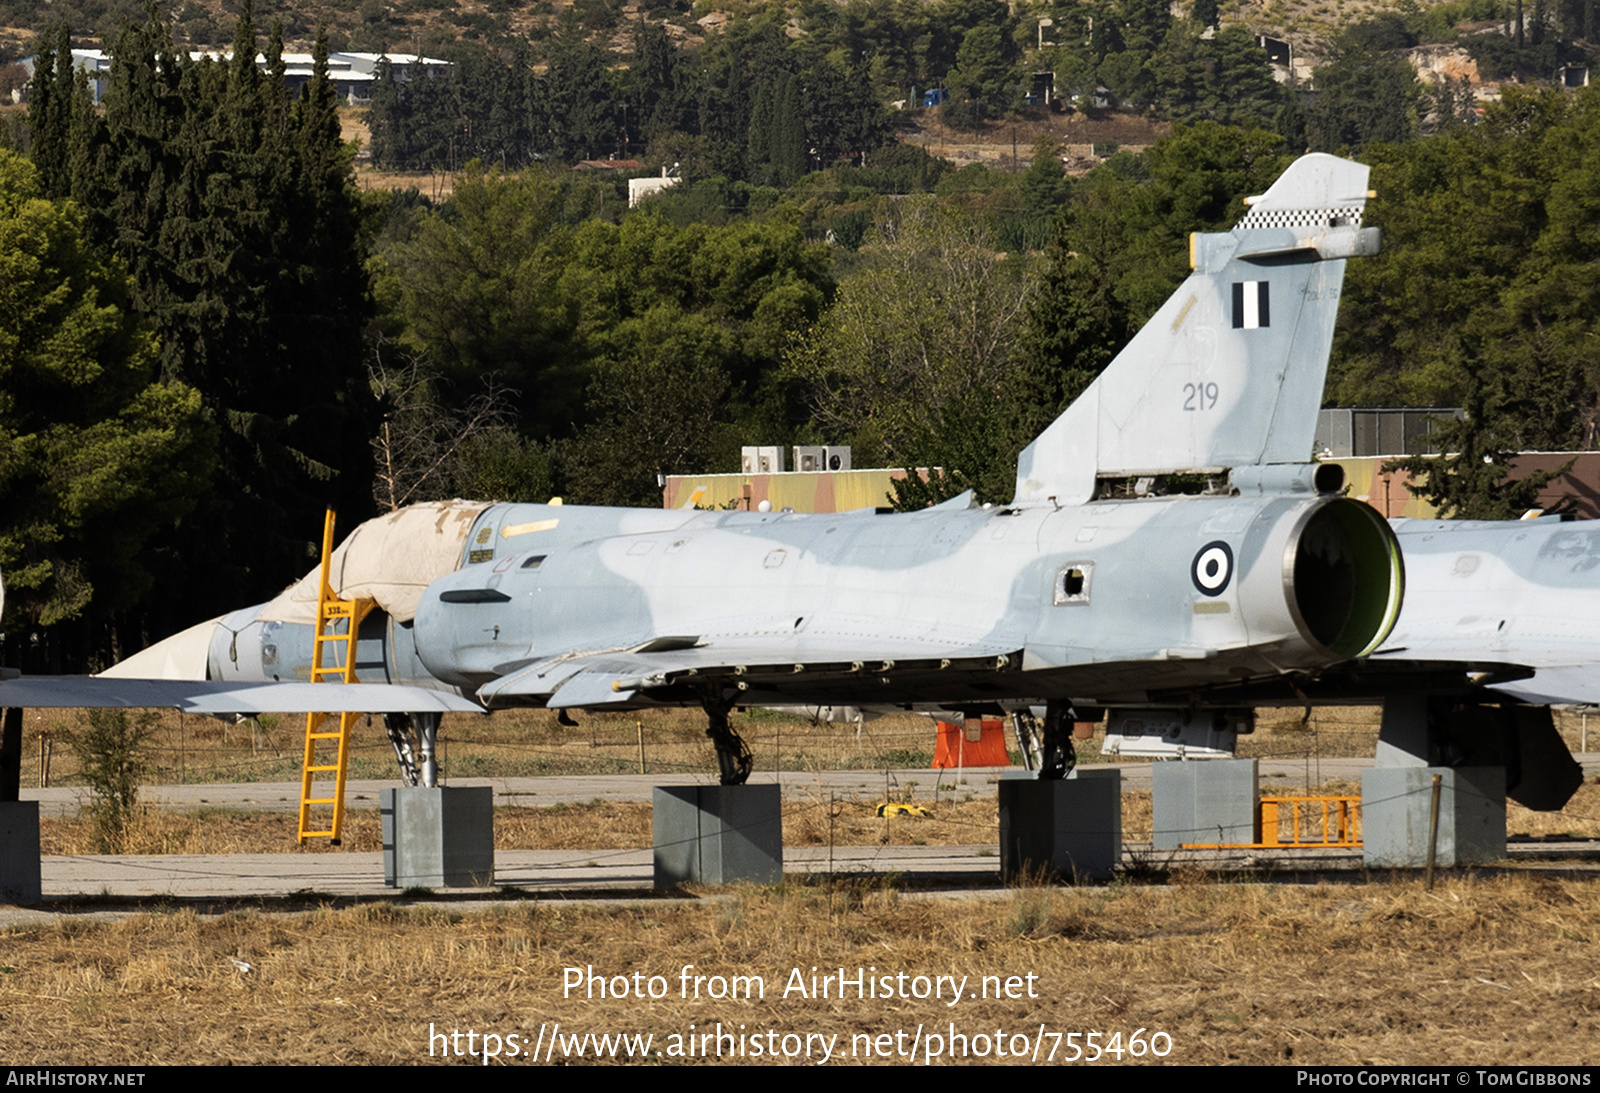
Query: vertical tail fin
x,y
1229,372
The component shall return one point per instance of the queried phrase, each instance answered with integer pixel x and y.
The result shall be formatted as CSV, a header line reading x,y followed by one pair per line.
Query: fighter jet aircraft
x,y
1167,537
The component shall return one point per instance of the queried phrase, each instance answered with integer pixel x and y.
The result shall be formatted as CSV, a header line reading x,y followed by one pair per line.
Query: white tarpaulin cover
x,y
182,656
390,559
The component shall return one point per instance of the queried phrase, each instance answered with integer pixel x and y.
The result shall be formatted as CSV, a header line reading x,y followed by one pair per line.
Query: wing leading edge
x,y
216,697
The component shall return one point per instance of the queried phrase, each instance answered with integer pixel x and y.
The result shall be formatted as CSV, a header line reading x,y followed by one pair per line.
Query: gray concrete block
x,y
438,837
1395,803
1071,827
717,835
19,852
1210,801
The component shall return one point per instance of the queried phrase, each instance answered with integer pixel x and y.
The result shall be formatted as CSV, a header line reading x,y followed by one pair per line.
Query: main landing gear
x,y
1048,747
733,754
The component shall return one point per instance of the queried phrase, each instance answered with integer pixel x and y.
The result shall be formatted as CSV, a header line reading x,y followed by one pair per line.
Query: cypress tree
x,y
789,132
777,143
235,211
48,124
759,145
387,120
65,132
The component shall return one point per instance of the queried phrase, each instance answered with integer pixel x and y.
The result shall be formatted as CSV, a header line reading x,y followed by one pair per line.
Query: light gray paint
x,y
573,607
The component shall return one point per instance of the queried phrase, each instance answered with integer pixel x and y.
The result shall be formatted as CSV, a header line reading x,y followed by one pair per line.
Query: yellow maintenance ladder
x,y
321,736
1301,823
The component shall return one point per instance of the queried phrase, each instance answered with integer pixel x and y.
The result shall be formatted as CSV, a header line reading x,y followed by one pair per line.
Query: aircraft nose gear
x,y
399,728
415,738
1059,755
733,754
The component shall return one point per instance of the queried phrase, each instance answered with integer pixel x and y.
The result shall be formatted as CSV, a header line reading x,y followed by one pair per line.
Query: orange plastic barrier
x,y
975,744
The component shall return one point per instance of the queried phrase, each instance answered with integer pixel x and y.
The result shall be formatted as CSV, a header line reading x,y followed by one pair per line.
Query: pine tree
x,y
97,454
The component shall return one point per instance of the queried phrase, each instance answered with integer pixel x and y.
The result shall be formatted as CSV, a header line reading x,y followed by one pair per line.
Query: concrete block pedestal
x,y
1070,827
438,837
717,835
1205,801
1395,805
19,852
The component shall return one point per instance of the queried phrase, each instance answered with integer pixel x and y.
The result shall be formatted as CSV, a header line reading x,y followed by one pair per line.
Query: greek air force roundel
x,y
1212,568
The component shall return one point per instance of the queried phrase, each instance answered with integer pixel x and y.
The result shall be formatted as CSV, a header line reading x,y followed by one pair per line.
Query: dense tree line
x,y
98,453
662,341
559,92
747,94
767,108
760,109
922,338
232,211
939,349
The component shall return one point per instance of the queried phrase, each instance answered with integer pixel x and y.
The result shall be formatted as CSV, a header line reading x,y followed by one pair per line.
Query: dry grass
x,y
810,818
1484,970
1580,819
1479,971
512,743
600,825
436,186
529,743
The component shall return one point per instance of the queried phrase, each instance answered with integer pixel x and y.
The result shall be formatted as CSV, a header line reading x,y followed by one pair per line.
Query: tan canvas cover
x,y
390,559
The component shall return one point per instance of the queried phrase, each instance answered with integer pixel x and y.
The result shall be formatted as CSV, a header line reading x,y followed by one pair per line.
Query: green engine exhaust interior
x,y
1348,577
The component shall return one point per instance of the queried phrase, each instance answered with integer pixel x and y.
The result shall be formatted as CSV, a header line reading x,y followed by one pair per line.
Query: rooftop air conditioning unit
x,y
761,460
821,457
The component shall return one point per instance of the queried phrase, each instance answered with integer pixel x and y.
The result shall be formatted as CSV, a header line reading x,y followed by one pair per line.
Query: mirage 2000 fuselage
x,y
1077,602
